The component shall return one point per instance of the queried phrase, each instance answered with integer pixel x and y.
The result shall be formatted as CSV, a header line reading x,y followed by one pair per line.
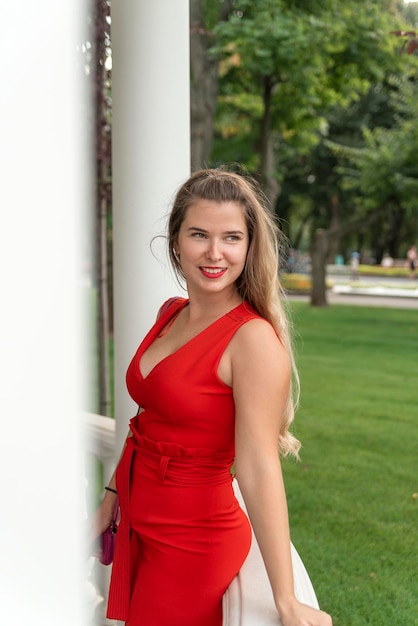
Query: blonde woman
x,y
213,378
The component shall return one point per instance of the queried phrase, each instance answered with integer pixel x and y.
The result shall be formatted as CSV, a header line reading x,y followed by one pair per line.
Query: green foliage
x,y
351,499
311,76
366,162
268,45
386,168
313,55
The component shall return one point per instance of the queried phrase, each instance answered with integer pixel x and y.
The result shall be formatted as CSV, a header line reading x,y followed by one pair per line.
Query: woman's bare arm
x,y
261,376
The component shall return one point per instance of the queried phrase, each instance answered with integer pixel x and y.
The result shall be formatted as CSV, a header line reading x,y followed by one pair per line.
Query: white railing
x,y
99,446
100,440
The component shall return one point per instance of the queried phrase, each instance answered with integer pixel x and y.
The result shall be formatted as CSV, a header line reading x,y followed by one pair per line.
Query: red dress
x,y
182,536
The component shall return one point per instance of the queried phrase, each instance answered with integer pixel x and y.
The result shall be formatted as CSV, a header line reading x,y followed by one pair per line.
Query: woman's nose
x,y
214,252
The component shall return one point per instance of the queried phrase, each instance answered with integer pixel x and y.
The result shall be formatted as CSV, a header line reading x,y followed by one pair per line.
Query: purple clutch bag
x,y
108,539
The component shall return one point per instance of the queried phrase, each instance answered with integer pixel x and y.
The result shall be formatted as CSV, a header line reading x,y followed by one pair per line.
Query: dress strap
x,y
167,304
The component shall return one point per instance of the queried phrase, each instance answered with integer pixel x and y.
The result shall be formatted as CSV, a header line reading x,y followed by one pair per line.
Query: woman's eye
x,y
199,235
232,238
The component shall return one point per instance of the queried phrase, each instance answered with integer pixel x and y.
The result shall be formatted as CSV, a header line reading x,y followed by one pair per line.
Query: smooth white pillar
x,y
151,158
42,165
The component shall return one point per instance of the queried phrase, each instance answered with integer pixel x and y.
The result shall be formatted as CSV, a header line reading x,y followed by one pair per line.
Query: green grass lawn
x,y
352,498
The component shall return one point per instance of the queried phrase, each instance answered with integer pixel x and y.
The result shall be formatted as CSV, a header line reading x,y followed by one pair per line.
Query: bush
x,y
298,283
387,272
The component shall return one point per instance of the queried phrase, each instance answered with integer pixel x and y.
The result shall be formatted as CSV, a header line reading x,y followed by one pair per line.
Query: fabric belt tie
x,y
163,467
191,465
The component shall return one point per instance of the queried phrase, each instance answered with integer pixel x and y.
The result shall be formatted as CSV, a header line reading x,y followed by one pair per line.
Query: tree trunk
x,y
267,161
102,11
319,253
296,239
203,83
396,225
319,250
103,313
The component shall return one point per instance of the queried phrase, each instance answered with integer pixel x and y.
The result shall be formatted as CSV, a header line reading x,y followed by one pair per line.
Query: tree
x,y
204,76
317,178
286,67
282,64
384,172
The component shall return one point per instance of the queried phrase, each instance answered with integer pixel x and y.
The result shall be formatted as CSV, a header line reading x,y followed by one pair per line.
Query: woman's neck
x,y
212,305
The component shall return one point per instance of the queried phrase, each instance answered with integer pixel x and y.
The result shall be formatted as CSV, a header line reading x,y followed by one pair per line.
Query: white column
x,y
151,158
42,163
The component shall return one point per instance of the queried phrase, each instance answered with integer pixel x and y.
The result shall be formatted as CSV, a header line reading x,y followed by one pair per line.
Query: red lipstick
x,y
212,272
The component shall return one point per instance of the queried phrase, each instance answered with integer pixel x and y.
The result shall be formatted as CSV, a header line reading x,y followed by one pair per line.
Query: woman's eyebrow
x,y
226,232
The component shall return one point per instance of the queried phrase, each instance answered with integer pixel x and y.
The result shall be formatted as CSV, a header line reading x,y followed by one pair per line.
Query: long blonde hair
x,y
259,282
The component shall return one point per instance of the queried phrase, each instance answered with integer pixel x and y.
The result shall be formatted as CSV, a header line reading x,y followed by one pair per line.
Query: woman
x,y
213,379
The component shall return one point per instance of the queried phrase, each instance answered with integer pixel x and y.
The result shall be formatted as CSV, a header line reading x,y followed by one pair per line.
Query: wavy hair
x,y
259,282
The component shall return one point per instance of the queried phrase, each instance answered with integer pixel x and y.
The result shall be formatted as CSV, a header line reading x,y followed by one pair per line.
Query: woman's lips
x,y
213,272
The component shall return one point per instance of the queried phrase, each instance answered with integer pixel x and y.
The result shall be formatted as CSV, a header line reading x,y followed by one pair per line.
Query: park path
x,y
361,300
378,291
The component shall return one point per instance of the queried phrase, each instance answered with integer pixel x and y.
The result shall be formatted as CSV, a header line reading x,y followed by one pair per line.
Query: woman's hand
x,y
100,520
298,614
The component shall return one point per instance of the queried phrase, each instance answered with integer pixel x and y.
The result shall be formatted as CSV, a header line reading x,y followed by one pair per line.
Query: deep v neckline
x,y
157,330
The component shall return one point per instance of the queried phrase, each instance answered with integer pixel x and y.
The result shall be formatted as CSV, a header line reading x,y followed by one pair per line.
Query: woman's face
x,y
212,244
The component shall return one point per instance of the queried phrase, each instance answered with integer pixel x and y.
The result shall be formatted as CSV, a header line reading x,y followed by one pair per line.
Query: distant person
x,y
387,260
354,263
412,258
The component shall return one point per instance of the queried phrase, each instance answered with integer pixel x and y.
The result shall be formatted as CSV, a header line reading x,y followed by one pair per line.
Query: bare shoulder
x,y
256,346
253,350
261,379
257,335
